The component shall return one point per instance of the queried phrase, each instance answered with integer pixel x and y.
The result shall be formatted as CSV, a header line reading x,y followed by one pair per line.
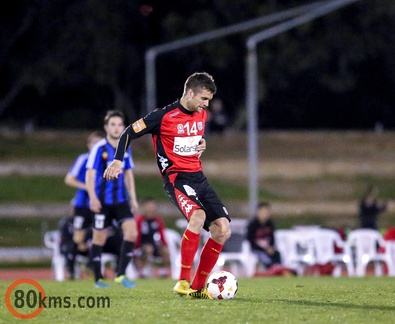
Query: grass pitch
x,y
259,300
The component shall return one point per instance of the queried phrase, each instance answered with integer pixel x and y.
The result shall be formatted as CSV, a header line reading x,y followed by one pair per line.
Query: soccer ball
x,y
222,285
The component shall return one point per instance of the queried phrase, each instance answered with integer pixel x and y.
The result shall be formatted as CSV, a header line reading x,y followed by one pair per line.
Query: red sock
x,y
189,246
208,258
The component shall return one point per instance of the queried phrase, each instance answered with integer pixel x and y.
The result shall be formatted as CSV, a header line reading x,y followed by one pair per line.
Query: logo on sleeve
x,y
139,125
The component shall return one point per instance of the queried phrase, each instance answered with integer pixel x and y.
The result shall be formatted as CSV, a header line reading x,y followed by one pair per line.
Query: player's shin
x,y
95,258
125,256
189,246
208,258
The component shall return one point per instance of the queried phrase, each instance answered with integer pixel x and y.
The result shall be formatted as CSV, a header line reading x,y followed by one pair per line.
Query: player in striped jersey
x,y
111,200
82,215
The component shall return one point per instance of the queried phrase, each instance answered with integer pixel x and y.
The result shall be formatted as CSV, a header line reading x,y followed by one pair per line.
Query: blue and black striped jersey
x,y
109,192
78,170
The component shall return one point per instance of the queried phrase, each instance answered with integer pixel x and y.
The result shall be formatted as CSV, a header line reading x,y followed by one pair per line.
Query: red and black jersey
x,y
151,230
176,132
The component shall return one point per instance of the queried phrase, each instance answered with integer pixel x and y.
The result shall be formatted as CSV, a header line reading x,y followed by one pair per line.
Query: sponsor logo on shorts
x,y
190,191
185,204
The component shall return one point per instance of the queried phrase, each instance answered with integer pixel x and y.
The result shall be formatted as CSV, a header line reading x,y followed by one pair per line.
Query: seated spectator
x,y
260,234
151,245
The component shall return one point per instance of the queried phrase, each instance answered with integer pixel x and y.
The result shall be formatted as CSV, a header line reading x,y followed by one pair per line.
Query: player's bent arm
x,y
94,202
72,181
148,124
113,170
201,147
124,142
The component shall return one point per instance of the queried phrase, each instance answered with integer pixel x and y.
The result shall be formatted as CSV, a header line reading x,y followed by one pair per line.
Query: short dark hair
x,y
200,80
114,113
263,204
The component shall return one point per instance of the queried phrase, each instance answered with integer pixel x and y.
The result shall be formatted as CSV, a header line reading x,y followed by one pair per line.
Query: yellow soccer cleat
x,y
181,287
124,281
199,294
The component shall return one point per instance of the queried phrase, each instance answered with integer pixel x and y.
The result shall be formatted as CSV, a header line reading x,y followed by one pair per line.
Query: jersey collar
x,y
182,108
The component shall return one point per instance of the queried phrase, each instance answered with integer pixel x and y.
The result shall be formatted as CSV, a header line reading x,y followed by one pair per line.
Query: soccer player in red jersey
x,y
178,137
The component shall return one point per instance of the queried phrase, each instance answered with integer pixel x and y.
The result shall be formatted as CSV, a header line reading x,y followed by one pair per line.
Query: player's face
x,y
115,127
263,214
149,209
198,101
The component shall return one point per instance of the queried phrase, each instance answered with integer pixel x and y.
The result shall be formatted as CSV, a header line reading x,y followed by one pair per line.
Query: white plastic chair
x,y
366,243
390,257
237,251
58,263
325,241
296,249
173,239
242,256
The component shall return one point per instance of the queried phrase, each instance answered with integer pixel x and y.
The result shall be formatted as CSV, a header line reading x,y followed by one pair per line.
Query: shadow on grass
x,y
340,305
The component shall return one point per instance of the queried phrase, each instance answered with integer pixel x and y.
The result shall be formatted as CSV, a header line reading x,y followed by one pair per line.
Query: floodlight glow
x,y
365,258
346,259
307,258
220,261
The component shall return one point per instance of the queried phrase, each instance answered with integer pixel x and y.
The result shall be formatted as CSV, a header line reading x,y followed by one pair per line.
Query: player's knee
x,y
78,237
196,221
220,231
99,237
223,234
129,236
129,230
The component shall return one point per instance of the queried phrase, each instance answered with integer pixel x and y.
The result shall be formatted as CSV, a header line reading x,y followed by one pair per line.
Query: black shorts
x,y
82,218
110,214
190,191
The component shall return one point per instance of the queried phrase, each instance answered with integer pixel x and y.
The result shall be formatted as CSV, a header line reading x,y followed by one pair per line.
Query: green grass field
x,y
259,300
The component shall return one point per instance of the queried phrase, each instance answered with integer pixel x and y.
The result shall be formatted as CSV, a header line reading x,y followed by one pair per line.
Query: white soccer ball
x,y
222,285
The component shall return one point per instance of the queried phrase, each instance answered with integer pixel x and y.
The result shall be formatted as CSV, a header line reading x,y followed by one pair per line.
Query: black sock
x,y
70,260
96,251
125,256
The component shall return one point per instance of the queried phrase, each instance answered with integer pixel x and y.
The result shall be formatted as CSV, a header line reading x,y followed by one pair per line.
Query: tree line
x,y
64,63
